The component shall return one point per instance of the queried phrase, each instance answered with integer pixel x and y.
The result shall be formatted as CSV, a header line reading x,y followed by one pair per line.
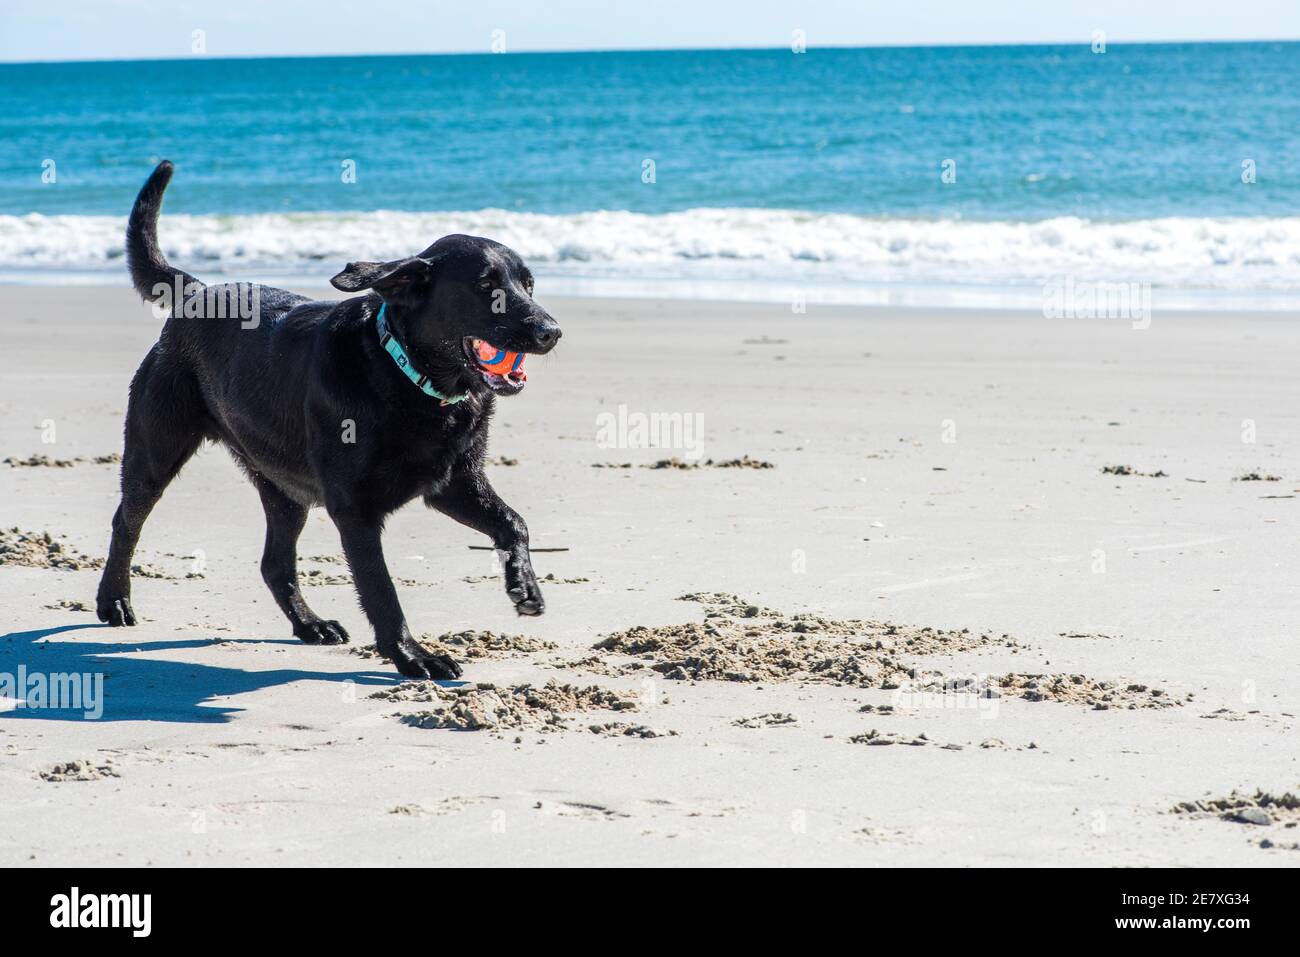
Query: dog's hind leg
x,y
285,519
165,419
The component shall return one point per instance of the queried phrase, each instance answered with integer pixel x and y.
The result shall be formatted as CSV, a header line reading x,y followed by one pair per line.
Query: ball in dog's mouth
x,y
502,370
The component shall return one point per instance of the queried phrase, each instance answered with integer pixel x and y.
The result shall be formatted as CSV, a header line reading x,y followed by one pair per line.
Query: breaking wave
x,y
731,244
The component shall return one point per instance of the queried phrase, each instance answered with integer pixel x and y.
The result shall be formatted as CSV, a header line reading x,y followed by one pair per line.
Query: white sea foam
x,y
698,245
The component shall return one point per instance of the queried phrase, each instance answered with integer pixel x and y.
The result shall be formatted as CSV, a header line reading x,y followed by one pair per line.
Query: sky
x,y
135,29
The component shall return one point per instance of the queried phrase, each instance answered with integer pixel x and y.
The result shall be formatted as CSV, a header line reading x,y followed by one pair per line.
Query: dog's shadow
x,y
137,687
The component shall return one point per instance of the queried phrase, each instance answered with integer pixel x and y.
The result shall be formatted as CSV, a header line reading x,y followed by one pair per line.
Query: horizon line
x,y
607,50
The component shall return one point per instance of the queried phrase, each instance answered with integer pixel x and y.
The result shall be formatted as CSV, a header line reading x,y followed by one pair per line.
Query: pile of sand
x,y
1080,689
45,462
722,604
685,465
41,550
146,570
874,737
408,691
484,644
486,706
472,644
1259,808
314,576
449,805
744,462
740,641
79,770
773,719
68,604
621,729
549,578
1130,470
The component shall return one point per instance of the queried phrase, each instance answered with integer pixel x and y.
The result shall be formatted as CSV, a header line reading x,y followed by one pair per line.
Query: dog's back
x,y
240,349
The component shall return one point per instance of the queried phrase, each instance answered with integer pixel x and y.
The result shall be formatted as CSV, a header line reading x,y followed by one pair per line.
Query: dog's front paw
x,y
521,588
415,661
427,667
321,633
116,611
527,596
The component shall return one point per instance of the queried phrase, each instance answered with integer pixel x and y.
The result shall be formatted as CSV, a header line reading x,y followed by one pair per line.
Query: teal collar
x,y
394,349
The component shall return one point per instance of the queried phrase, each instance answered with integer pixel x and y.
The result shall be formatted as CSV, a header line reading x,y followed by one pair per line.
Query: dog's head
x,y
460,292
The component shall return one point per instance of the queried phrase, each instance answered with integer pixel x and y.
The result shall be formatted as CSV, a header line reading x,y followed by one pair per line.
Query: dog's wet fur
x,y
317,413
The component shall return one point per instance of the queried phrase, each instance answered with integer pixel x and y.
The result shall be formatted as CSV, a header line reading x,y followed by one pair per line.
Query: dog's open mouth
x,y
503,371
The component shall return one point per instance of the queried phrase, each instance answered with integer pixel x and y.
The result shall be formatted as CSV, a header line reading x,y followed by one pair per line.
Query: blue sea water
x,y
825,166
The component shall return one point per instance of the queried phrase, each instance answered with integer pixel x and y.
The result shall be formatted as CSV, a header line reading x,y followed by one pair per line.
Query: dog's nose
x,y
546,335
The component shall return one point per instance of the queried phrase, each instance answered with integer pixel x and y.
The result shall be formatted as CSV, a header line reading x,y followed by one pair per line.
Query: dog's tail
x,y
148,267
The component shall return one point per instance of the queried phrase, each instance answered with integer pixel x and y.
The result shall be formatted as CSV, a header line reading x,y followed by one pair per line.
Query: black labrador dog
x,y
359,406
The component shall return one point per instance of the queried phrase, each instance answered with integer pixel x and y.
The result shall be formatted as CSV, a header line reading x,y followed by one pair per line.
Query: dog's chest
x,y
422,475
424,464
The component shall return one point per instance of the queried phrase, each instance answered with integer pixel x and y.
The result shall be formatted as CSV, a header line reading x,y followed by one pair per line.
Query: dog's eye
x,y
528,286
485,285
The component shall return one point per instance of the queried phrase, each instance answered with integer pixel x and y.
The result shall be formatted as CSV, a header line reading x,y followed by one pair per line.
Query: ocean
x,y
950,175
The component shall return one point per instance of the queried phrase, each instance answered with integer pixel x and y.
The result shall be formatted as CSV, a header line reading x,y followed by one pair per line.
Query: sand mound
x,y
740,641
449,805
45,462
68,604
489,707
1080,689
485,644
314,576
774,719
744,462
472,644
80,770
1130,470
1063,688
721,604
874,737
41,550
145,570
621,729
1260,808
686,465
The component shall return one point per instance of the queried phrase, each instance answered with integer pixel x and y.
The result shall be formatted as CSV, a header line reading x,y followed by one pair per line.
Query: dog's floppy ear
x,y
384,278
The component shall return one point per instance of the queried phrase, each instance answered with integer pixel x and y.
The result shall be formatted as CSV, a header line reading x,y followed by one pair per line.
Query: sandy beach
x,y
1014,591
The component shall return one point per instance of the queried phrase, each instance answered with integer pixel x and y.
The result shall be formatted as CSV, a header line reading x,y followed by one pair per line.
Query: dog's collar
x,y
394,349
